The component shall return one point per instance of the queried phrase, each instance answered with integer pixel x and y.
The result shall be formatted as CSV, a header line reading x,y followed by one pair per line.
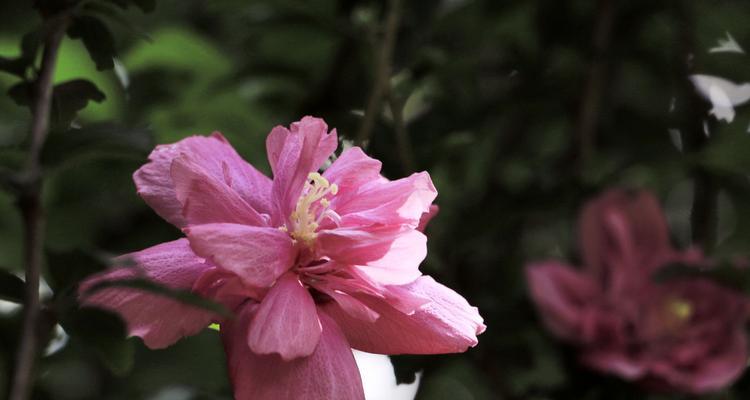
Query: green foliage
x,y
97,38
105,334
492,96
11,287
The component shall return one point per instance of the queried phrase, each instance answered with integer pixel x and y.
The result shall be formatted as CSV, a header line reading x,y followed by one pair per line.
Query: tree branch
x,y
29,202
588,117
382,72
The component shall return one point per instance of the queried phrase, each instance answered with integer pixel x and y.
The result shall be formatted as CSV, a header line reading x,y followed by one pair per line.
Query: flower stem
x,y
29,202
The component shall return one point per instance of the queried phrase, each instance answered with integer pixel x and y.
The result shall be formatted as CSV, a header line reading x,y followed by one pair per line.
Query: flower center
x,y
679,309
311,208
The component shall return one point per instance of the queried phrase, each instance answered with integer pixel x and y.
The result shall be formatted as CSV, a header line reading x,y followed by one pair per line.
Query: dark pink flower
x,y
312,264
682,335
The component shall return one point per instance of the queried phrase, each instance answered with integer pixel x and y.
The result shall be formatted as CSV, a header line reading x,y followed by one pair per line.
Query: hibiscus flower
x,y
312,264
685,334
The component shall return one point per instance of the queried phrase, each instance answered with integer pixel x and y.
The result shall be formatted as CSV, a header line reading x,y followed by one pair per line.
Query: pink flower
x,y
684,335
311,264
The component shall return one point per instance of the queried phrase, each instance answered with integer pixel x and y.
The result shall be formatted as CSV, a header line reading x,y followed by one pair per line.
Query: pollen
x,y
680,309
311,208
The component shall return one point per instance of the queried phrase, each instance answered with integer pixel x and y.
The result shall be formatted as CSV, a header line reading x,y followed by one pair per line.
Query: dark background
x,y
519,110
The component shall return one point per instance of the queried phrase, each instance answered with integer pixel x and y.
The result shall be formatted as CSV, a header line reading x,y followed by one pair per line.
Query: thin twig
x,y
704,214
382,72
588,117
29,202
403,143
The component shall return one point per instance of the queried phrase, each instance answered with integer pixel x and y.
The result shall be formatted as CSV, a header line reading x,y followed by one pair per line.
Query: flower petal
x,y
622,231
562,296
257,255
286,322
329,373
352,169
711,374
402,201
447,324
217,159
349,303
207,200
387,254
427,217
400,264
160,321
293,155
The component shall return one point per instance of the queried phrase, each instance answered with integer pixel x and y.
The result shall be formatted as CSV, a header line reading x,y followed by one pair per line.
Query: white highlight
x,y
379,379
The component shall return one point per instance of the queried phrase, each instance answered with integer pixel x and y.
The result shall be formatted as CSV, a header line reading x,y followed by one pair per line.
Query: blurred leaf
x,y
147,285
70,97
15,66
29,47
66,269
66,146
51,7
728,153
22,93
11,287
67,98
97,38
105,333
546,370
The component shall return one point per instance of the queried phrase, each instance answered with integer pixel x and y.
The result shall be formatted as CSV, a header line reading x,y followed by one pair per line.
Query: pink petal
x,y
624,232
257,255
400,264
427,217
447,324
207,200
716,372
617,362
562,296
286,322
352,169
226,288
160,321
349,303
329,373
387,254
217,159
402,201
293,155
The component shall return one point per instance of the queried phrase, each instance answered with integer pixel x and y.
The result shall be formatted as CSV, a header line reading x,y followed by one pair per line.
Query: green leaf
x,y
68,268
97,38
105,333
67,99
70,97
11,287
93,140
22,93
183,296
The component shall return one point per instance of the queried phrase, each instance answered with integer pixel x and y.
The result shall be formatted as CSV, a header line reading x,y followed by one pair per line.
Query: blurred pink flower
x,y
311,264
683,335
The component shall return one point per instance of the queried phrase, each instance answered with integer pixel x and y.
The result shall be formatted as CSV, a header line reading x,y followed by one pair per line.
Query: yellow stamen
x,y
679,308
303,218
